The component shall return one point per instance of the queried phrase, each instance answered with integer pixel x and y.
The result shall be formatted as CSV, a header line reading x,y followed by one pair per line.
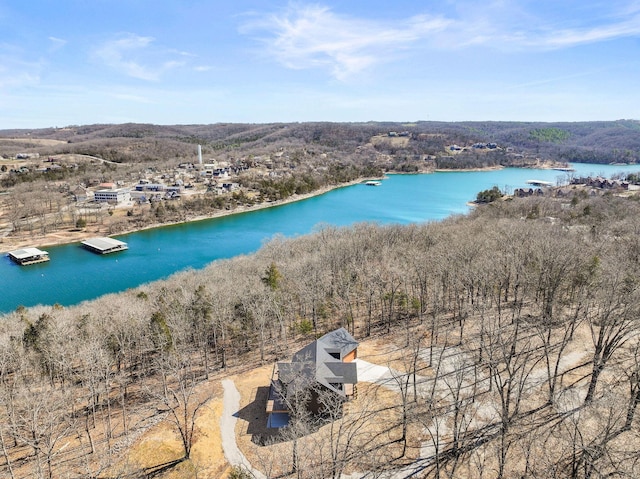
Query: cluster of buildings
x,y
393,134
525,192
595,186
216,177
27,156
152,187
600,183
475,146
482,146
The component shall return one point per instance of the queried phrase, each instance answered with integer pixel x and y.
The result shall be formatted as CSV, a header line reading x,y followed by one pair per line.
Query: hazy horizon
x,y
201,62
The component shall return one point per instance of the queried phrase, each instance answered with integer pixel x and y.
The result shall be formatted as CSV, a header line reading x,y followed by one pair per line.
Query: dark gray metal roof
x,y
346,372
315,362
339,339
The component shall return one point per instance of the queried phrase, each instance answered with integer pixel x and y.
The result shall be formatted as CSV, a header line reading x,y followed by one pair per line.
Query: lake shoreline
x,y
74,235
63,237
74,276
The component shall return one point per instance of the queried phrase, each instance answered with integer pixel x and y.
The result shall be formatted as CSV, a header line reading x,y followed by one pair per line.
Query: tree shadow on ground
x,y
151,472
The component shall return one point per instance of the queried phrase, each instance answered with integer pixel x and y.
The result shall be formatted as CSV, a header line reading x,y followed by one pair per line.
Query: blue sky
x,y
69,62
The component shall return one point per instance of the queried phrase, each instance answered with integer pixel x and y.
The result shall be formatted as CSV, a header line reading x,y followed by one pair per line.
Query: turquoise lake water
x,y
75,274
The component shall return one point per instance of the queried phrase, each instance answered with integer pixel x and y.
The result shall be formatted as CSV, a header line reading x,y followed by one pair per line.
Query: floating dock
x,y
27,256
373,183
539,183
104,245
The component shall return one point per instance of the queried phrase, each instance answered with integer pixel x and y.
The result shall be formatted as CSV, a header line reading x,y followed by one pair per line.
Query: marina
x,y
104,245
26,256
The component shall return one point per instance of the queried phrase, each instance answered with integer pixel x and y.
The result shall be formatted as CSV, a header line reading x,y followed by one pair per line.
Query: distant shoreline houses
x,y
141,192
601,183
476,146
218,178
596,185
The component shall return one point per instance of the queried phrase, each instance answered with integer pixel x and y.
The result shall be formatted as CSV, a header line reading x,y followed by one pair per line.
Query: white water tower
x,y
200,155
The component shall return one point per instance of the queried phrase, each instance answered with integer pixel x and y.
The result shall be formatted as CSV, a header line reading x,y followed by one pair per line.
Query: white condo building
x,y
112,196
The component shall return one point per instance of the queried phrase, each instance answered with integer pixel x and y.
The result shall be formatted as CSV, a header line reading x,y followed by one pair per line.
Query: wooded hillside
x,y
518,328
596,142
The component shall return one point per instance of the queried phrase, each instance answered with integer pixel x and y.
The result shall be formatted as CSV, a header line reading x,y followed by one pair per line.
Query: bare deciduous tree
x,y
179,394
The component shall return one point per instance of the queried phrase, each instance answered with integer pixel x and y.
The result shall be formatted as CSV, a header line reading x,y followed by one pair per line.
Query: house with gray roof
x,y
325,364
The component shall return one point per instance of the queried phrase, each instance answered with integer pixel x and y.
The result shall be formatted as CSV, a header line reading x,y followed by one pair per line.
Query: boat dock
x,y
104,245
539,183
27,256
373,183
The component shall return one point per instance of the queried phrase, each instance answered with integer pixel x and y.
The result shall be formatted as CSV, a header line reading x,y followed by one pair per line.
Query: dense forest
x,y
516,326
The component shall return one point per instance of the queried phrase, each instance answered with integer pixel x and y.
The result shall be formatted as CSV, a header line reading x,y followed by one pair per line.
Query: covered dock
x,y
539,183
104,245
27,256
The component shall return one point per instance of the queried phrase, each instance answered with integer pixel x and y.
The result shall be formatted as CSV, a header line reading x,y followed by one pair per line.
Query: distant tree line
x,y
606,141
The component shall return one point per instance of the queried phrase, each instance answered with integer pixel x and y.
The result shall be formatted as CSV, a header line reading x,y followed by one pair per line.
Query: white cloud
x,y
516,26
132,98
12,79
579,36
183,53
56,43
315,37
114,54
171,64
124,55
15,70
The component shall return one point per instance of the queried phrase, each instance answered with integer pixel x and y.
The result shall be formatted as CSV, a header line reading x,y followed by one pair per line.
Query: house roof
x,y
322,361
